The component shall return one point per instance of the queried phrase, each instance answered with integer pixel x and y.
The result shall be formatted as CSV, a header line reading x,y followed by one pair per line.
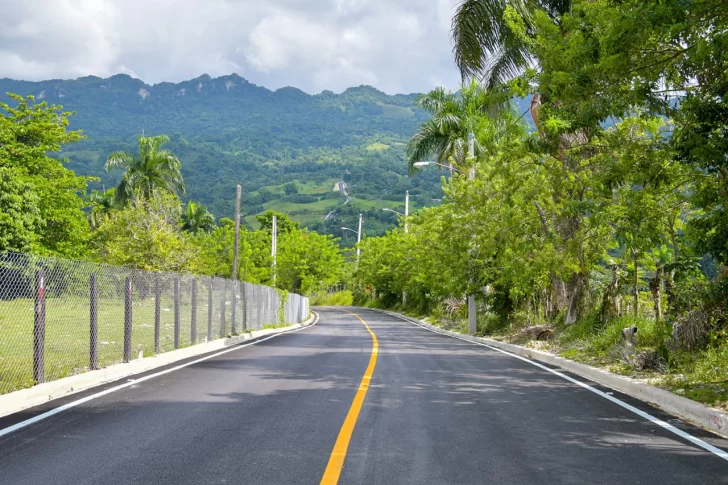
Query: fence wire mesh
x,y
62,317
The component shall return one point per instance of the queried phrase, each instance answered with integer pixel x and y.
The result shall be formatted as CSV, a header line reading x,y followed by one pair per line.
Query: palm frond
x,y
485,48
119,160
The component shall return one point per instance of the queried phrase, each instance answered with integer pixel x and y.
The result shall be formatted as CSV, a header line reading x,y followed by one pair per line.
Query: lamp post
x,y
358,237
406,225
427,163
406,211
472,307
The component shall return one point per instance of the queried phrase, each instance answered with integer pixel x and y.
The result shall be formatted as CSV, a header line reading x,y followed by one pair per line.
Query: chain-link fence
x,y
61,317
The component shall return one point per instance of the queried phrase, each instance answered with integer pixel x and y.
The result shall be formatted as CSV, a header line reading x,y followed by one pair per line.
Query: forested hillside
x,y
228,131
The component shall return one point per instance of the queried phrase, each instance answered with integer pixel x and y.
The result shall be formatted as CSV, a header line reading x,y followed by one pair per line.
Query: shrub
x,y
339,298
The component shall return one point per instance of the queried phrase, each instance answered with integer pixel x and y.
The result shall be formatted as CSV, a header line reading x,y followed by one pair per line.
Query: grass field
x,y
316,211
67,339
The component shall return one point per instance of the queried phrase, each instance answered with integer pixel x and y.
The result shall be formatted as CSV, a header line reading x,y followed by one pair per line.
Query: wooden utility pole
x,y
237,233
274,246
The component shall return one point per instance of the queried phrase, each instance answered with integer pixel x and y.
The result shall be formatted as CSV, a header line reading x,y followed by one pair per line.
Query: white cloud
x,y
397,46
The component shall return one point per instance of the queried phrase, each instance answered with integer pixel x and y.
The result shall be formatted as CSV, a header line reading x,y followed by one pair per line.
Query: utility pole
x,y
471,156
406,231
358,239
236,249
406,212
472,305
274,246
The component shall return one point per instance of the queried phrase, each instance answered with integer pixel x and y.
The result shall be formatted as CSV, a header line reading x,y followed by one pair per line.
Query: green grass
x,y
701,375
339,298
393,111
312,188
68,334
377,147
589,342
316,211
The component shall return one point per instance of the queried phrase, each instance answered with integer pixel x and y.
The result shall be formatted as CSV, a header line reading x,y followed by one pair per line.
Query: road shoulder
x,y
37,395
699,414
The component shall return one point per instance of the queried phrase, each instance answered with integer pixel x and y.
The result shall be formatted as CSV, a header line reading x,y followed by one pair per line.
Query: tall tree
x,y
146,235
152,169
102,204
19,214
29,132
454,116
490,36
196,218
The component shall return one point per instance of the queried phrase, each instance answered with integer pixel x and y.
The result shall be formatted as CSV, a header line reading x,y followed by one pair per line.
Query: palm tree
x,y
485,46
196,218
102,204
474,109
153,169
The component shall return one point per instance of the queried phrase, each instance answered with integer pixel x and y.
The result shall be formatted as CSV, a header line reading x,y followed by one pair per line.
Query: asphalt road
x,y
437,411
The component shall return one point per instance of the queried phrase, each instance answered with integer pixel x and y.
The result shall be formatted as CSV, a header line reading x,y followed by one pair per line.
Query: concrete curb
x,y
42,393
706,417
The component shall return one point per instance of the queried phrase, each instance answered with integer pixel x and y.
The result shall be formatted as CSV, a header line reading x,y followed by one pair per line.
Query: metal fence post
x,y
222,308
176,312
232,311
157,312
94,321
193,317
39,328
209,310
127,319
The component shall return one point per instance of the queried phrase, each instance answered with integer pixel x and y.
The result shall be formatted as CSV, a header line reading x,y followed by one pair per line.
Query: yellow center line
x,y
338,454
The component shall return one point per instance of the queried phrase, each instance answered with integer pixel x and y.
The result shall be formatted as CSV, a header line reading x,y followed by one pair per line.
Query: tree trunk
x,y
534,108
670,277
610,301
656,287
576,285
636,285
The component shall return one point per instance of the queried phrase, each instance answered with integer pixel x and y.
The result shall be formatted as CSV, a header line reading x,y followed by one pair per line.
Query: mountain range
x,y
227,130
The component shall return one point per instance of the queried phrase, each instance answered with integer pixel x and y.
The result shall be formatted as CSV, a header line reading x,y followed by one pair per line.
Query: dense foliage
x,y
40,207
611,213
227,131
44,209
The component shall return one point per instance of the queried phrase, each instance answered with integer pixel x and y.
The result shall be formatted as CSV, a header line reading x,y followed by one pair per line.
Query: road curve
x,y
437,411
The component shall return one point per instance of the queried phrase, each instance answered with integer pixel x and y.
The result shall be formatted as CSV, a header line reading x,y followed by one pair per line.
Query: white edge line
x,y
696,441
86,399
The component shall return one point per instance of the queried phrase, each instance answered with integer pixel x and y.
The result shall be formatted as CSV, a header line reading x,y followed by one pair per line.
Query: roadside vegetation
x,y
336,298
600,208
143,222
228,131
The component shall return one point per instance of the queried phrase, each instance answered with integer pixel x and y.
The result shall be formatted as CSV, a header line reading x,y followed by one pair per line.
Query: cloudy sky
x,y
398,46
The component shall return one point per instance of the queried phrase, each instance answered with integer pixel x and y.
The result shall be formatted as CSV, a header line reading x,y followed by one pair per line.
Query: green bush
x,y
589,340
339,298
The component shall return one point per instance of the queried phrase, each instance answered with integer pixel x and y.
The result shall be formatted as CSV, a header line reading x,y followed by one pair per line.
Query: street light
x,y
426,163
406,208
406,224
358,236
472,308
